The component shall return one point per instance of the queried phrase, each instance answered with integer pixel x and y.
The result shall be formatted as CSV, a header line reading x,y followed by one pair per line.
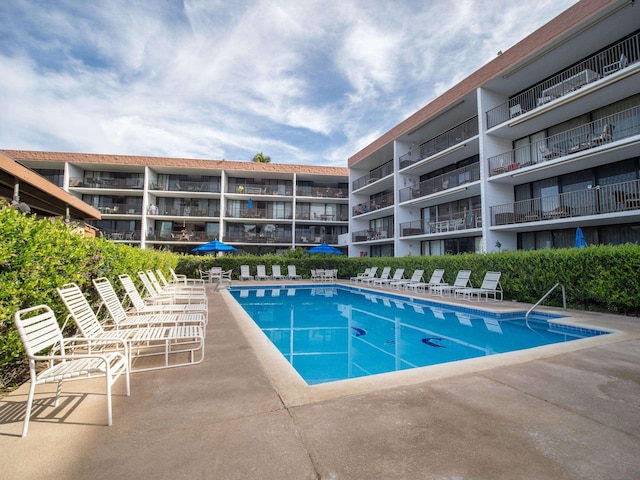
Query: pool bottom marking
x,y
359,332
431,342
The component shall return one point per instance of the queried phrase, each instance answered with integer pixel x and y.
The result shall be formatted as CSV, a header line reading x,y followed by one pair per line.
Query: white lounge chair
x,y
371,275
276,274
386,271
360,275
415,278
261,273
154,341
39,331
121,319
397,275
292,274
149,305
162,285
462,281
175,296
183,280
245,273
436,279
490,286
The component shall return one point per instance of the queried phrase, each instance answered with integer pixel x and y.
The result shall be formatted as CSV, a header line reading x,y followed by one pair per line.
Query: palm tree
x,y
261,158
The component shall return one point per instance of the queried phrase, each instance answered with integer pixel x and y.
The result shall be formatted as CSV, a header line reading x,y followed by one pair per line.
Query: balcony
x,y
618,126
443,224
127,183
248,237
590,70
322,192
186,211
258,213
373,205
601,200
316,239
455,178
259,189
120,209
383,233
444,141
373,176
185,186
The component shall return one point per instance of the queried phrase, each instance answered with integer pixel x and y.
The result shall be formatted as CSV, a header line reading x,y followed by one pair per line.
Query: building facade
x,y
543,139
179,204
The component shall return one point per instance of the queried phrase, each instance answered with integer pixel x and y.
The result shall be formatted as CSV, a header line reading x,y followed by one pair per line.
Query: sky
x,y
308,82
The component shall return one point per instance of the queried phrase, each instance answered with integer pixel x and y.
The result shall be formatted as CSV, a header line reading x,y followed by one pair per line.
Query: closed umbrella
x,y
580,241
214,247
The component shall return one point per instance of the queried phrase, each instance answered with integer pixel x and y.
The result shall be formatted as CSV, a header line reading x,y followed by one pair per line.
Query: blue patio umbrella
x,y
214,247
326,249
580,241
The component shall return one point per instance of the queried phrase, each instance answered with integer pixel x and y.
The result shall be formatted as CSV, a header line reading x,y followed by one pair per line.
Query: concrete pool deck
x,y
570,414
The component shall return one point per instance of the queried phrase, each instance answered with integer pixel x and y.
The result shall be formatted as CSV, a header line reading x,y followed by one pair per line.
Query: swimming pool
x,y
335,332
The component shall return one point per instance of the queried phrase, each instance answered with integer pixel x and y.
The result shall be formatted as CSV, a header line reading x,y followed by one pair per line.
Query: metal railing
x,y
184,186
443,224
618,126
589,70
260,189
441,142
371,234
133,183
373,204
564,300
373,176
599,200
120,208
258,238
454,178
322,192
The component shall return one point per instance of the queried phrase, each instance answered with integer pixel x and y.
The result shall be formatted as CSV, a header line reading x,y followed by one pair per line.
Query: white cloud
x,y
305,82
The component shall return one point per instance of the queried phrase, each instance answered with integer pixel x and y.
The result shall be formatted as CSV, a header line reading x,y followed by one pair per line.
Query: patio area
x,y
569,415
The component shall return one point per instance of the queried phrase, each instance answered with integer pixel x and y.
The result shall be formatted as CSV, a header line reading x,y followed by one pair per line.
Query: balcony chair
x,y
615,66
605,136
39,330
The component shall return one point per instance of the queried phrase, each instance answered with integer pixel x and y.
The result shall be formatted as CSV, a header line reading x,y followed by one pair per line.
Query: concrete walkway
x,y
567,415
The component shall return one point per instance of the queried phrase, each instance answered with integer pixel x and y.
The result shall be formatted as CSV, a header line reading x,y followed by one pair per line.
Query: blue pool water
x,y
334,332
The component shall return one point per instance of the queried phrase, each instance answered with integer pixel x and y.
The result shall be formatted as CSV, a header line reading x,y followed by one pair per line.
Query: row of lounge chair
x,y
276,273
461,287
168,324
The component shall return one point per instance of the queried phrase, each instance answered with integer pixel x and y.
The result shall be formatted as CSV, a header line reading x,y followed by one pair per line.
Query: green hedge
x,y
600,278
37,256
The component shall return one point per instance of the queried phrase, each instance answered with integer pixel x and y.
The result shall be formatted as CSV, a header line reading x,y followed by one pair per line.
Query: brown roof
x,y
175,162
41,195
570,18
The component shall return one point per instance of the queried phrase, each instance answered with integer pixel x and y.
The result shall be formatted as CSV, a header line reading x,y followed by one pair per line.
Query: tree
x,y
261,158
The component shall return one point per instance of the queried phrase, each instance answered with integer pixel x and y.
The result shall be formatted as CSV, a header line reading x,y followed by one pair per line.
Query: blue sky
x,y
304,81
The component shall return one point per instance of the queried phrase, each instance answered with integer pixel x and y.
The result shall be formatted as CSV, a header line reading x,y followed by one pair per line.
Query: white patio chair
x,y
122,319
397,275
415,278
182,279
173,296
371,275
261,273
39,331
386,271
462,281
490,286
142,342
276,274
292,274
148,305
436,279
245,273
360,275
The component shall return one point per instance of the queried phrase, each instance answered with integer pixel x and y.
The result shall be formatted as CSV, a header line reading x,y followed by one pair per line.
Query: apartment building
x,y
178,204
543,139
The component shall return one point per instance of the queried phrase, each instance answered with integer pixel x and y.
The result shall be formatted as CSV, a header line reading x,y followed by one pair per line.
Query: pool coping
x,y
294,391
